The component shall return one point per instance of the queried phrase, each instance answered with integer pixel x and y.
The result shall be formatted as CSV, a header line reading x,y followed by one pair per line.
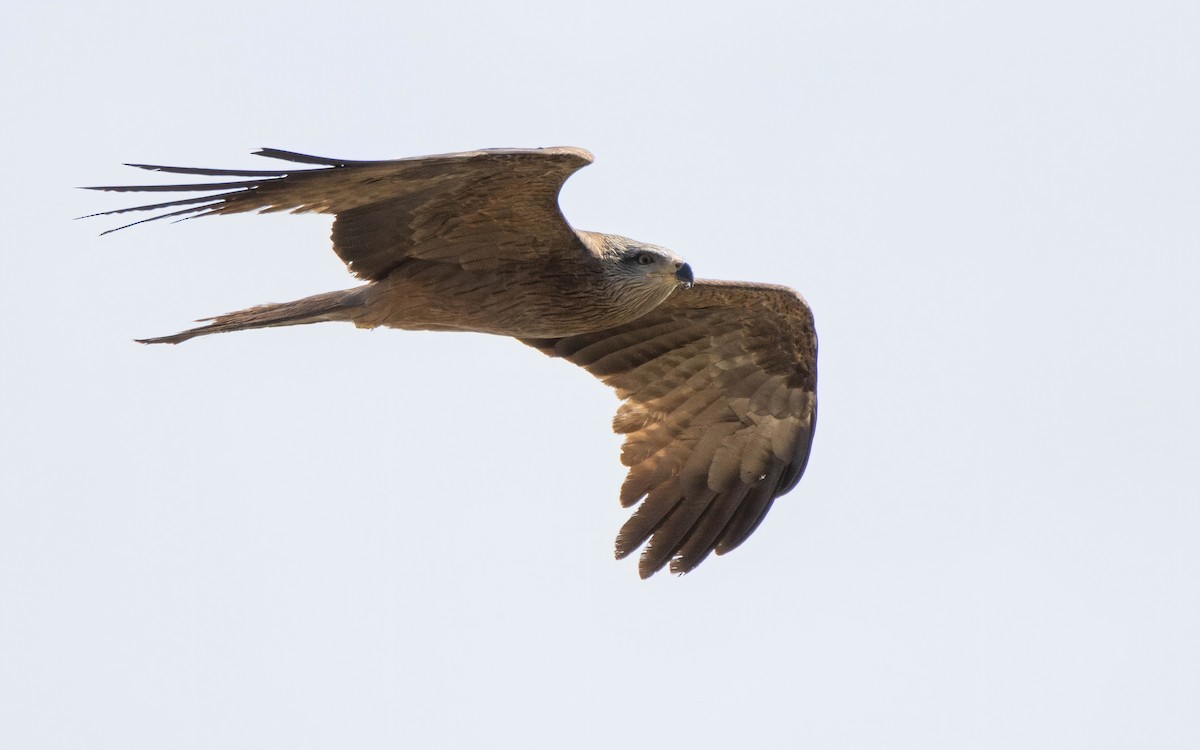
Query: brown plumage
x,y
717,379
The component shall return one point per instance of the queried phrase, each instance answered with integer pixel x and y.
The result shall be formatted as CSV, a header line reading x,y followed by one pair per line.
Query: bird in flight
x,y
717,379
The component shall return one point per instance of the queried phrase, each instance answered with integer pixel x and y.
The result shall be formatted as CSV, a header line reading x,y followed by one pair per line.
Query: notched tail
x,y
338,305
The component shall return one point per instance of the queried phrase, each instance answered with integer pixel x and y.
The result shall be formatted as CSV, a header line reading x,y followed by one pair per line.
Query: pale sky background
x,y
321,537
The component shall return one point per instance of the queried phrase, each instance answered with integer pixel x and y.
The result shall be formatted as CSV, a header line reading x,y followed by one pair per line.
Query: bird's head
x,y
649,265
637,277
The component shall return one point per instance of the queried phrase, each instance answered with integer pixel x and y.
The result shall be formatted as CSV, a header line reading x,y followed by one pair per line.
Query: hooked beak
x,y
684,275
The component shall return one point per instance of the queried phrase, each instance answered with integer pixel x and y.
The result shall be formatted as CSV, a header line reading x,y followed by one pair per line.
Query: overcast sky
x,y
320,537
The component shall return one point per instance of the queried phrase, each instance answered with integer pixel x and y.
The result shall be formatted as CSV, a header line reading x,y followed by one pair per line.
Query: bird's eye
x,y
645,259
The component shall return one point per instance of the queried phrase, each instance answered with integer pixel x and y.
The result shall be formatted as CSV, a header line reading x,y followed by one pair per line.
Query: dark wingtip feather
x,y
702,539
674,531
752,511
210,171
191,212
194,187
745,521
298,158
651,561
646,520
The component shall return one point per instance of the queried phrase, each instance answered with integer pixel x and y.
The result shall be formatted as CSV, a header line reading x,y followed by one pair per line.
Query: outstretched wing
x,y
719,405
477,208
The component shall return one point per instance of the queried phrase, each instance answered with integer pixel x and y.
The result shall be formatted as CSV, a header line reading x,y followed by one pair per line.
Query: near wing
x,y
476,209
719,405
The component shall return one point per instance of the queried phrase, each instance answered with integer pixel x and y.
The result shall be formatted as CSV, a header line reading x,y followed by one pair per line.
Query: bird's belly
x,y
523,305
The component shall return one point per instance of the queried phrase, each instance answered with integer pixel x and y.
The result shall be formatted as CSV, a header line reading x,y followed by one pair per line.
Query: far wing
x,y
719,405
476,209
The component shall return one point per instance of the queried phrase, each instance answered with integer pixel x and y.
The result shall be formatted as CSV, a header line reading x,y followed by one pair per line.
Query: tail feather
x,y
316,309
